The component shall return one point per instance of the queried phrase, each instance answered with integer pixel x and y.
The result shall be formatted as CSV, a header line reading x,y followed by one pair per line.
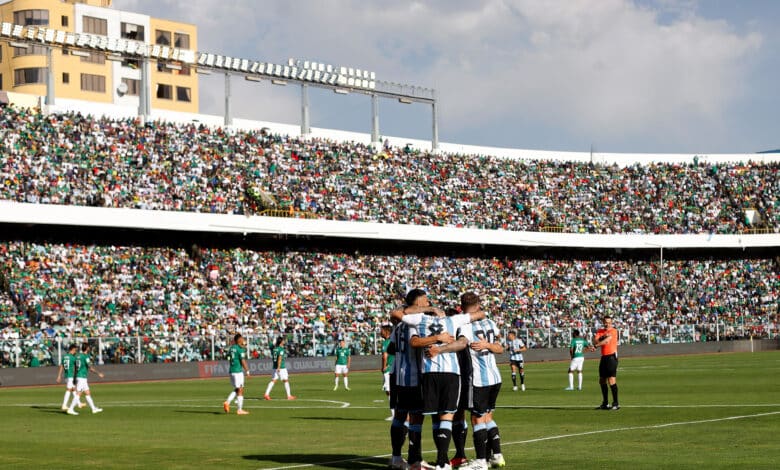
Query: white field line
x,y
550,438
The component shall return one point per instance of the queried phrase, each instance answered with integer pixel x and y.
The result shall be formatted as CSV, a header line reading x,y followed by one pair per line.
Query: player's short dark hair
x,y
73,346
575,332
413,295
449,311
279,340
85,347
387,328
468,299
237,337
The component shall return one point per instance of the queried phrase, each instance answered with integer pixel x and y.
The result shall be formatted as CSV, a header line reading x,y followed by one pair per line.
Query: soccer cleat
x,y
291,397
497,461
458,461
604,406
72,412
335,388
569,389
475,465
266,397
615,406
398,463
347,388
579,389
226,407
522,387
82,405
514,389
97,410
64,408
242,412
446,466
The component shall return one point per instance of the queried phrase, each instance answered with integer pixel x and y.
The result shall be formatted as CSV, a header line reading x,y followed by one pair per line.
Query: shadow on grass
x,y
346,461
332,418
49,409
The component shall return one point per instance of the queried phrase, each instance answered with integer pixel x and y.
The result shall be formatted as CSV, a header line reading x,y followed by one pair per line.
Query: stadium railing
x,y
33,352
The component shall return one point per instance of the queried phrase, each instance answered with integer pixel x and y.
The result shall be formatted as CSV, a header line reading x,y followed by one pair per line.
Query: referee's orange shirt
x,y
610,347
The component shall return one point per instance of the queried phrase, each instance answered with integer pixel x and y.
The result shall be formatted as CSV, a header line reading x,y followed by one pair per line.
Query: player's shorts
x,y
280,374
70,383
577,363
342,369
483,399
406,398
518,364
237,379
608,366
441,392
386,382
82,385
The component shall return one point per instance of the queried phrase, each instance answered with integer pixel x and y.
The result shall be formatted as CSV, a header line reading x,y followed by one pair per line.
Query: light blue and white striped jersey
x,y
484,370
514,347
406,366
427,325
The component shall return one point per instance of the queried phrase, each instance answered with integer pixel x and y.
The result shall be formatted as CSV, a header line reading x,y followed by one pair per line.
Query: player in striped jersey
x,y
483,338
516,347
440,372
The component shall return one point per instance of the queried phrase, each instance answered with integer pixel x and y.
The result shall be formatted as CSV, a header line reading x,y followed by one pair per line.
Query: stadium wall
x,y
38,376
46,214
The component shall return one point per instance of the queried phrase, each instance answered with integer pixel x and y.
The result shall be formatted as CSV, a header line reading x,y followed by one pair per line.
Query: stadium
x,y
154,234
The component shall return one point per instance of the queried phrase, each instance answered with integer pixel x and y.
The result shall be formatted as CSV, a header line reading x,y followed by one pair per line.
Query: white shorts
x,y
70,383
576,364
386,382
237,379
81,385
342,369
280,374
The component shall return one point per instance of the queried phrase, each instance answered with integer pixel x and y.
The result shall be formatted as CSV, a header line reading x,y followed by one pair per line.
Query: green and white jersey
x,y
578,345
390,357
69,366
236,354
342,356
82,365
277,353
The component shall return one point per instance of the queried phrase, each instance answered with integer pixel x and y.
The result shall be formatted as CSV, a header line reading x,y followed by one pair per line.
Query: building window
x,y
96,83
65,77
31,49
93,25
185,70
133,86
162,37
1,53
132,31
29,76
181,40
1,81
183,94
164,92
94,58
64,20
162,68
32,17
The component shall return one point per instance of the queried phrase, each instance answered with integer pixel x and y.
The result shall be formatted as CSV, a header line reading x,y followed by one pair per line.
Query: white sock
x,y
91,403
65,400
337,381
231,397
579,378
346,382
240,402
287,388
270,386
74,401
571,380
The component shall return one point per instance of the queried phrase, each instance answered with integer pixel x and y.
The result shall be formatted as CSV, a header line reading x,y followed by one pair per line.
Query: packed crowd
x,y
81,160
69,290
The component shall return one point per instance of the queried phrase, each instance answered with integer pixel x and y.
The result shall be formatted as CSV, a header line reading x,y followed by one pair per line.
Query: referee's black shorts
x,y
608,366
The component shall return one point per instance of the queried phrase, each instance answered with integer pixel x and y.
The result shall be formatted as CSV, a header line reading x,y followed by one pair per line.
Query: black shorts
x,y
518,364
441,393
405,398
465,397
483,399
608,366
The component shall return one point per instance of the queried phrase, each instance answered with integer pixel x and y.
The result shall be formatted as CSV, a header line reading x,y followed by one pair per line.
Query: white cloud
x,y
606,68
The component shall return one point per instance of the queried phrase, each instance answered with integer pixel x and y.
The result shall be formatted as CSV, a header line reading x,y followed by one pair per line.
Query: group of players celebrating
x,y
444,364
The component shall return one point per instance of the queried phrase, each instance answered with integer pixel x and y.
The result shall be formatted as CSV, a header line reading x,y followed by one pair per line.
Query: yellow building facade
x,y
92,76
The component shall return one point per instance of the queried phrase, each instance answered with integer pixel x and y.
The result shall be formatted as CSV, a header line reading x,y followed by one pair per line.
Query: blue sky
x,y
645,76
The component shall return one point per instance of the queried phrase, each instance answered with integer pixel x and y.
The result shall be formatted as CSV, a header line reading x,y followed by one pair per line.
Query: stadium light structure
x,y
340,79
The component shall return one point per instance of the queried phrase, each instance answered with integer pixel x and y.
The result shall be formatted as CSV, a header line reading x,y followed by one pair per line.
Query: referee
x,y
607,339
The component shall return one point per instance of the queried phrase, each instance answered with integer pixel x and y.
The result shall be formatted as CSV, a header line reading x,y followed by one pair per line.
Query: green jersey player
x,y
83,367
577,353
280,370
343,361
238,367
67,370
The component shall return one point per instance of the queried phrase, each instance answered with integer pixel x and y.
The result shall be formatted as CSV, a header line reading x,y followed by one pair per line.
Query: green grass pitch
x,y
708,411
